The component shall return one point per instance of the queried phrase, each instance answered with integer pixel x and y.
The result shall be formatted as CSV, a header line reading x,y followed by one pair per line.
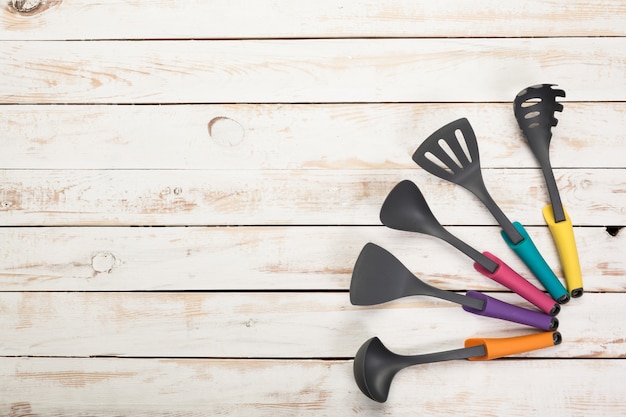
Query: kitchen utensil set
x,y
451,153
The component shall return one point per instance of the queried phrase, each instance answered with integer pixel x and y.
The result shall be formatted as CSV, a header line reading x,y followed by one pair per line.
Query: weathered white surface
x,y
269,258
278,325
303,71
291,121
294,197
287,136
123,19
269,388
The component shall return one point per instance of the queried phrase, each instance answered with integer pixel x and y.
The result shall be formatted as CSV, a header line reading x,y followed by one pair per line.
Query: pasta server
x,y
379,277
534,109
451,153
406,209
375,365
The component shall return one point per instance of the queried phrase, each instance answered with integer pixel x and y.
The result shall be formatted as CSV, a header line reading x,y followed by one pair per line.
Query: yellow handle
x,y
563,235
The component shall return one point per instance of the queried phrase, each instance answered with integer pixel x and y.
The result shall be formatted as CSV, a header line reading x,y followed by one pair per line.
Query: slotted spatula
x,y
451,153
406,209
379,277
534,109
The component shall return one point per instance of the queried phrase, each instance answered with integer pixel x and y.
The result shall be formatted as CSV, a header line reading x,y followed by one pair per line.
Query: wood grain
x,y
296,71
293,197
77,387
261,137
117,19
287,136
270,258
277,325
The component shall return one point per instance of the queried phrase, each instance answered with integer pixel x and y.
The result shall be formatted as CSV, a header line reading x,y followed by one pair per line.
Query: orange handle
x,y
499,347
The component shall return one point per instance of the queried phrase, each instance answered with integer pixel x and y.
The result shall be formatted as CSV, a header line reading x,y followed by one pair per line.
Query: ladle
x,y
375,366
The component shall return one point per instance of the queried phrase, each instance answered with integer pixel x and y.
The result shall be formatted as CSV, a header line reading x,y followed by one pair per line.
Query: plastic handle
x,y
563,235
512,280
499,347
505,311
527,251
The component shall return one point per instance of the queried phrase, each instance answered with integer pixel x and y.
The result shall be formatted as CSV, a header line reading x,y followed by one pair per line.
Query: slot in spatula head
x,y
534,109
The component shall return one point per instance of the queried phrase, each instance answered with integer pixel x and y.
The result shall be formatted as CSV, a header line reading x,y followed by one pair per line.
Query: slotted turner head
x,y
451,153
534,109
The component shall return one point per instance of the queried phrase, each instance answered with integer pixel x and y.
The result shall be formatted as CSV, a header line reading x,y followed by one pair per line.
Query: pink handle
x,y
512,280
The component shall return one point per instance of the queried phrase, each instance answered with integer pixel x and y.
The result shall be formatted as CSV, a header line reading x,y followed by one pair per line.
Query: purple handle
x,y
506,276
505,311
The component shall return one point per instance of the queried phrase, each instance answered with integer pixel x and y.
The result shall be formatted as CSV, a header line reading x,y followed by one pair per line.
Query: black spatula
x,y
379,277
451,153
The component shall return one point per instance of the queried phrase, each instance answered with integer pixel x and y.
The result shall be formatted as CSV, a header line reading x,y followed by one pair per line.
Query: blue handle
x,y
527,251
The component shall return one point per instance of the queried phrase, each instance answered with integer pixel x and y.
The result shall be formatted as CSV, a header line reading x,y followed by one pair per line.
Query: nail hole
x,y
613,230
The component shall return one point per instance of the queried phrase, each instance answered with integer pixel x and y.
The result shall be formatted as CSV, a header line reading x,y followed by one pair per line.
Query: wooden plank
x,y
269,258
139,387
284,136
277,325
116,19
338,70
279,197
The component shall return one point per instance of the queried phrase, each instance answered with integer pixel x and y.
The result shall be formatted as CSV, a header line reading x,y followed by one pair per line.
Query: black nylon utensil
x,y
442,155
451,153
534,109
405,208
379,277
375,365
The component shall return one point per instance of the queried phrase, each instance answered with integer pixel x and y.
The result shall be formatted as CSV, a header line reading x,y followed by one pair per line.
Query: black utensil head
x,y
534,109
451,152
406,209
374,368
379,277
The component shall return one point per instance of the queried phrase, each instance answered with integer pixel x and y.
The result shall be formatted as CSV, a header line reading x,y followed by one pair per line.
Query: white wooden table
x,y
185,186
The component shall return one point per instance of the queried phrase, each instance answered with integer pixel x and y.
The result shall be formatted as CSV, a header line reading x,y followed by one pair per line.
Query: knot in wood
x,y
103,262
26,6
226,131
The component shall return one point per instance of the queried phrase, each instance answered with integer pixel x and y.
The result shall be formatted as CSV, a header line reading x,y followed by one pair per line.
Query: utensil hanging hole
x,y
531,114
531,102
444,145
435,160
461,139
